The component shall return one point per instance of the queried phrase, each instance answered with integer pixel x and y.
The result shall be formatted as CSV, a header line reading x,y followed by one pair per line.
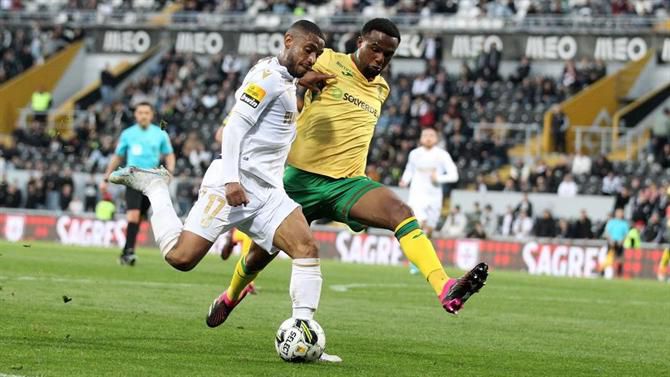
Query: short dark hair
x,y
383,25
306,26
144,103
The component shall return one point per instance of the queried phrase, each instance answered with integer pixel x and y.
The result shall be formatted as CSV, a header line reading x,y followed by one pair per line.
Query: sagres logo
x,y
253,95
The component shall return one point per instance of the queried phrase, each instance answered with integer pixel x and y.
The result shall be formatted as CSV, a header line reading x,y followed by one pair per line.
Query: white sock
x,y
164,220
305,287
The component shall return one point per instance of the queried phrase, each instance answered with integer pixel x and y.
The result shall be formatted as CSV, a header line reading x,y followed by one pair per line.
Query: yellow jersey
x,y
335,127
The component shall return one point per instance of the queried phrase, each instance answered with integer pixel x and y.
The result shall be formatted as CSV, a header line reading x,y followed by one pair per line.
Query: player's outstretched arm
x,y
114,163
450,171
409,172
170,162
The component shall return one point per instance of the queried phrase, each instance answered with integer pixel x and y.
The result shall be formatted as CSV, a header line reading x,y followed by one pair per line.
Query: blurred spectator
x,y
583,229
105,209
611,184
568,188
66,196
497,184
522,71
35,198
106,85
522,226
489,220
654,230
477,231
545,226
13,197
581,164
455,224
481,184
524,206
559,128
622,198
507,222
90,194
564,230
52,187
601,167
40,104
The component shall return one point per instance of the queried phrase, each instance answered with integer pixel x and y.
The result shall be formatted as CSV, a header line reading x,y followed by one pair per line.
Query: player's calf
x,y
188,251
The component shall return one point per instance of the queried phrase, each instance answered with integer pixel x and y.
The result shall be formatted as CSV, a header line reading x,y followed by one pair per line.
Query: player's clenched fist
x,y
235,195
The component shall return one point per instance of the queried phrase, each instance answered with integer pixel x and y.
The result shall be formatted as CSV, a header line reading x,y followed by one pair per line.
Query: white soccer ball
x,y
300,340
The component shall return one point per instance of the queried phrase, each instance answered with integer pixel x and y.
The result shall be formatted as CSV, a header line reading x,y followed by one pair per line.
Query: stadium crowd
x,y
193,95
463,8
20,49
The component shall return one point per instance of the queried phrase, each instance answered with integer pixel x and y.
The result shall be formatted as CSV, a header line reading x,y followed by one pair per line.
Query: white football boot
x,y
138,178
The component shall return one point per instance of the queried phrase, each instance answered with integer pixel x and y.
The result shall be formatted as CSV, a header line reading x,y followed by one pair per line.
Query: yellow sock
x,y
241,278
420,251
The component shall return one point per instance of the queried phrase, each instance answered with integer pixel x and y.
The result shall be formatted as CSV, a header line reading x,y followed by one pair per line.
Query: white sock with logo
x,y
164,220
305,287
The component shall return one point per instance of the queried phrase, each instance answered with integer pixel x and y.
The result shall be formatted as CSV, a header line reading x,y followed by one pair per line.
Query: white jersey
x,y
421,165
256,141
267,100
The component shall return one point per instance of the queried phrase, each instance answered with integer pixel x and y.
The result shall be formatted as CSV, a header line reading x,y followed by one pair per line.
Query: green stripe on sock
x,y
406,229
244,266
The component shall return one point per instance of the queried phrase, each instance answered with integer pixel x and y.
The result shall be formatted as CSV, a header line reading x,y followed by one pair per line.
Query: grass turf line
x,y
149,321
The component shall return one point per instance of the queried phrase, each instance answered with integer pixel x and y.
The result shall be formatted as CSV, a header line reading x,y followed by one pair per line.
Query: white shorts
x,y
426,212
211,216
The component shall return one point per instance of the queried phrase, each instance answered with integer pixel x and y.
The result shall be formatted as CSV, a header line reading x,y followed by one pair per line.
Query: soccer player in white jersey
x,y
428,167
244,188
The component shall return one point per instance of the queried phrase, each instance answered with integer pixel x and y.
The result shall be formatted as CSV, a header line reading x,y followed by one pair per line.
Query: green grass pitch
x,y
149,321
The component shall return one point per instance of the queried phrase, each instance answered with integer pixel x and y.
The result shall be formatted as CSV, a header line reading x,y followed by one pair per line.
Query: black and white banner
x,y
545,47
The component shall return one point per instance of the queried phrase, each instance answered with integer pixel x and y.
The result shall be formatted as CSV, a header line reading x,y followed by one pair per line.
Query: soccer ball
x,y
300,340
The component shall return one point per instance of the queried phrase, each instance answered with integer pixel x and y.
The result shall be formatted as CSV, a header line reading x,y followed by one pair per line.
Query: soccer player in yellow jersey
x,y
326,172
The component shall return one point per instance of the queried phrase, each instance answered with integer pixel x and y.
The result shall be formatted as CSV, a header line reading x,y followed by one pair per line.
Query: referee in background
x,y
141,145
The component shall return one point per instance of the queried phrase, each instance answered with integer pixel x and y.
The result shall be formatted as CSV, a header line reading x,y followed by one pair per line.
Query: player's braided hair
x,y
383,25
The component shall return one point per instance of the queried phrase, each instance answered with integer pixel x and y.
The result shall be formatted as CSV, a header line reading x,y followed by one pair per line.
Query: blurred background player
x,y
140,145
326,165
428,168
616,230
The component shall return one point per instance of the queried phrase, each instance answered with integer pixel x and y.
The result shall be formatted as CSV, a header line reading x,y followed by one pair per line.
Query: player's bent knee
x,y
400,212
180,261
